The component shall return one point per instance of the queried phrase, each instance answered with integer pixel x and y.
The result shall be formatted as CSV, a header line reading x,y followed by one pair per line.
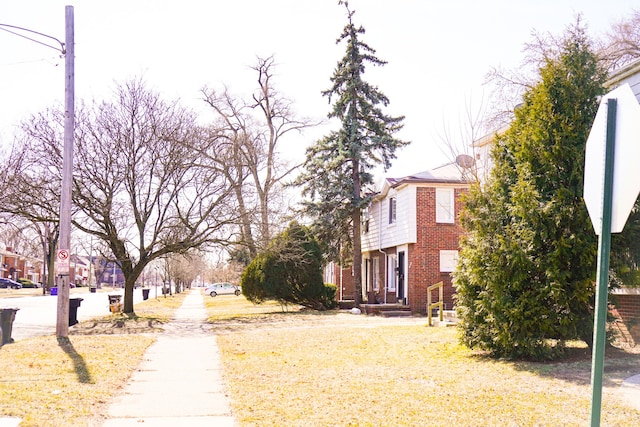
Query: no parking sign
x,y
62,262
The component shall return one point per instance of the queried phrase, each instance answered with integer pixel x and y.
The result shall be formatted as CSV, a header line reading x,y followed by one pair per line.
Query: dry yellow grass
x,y
303,369
51,382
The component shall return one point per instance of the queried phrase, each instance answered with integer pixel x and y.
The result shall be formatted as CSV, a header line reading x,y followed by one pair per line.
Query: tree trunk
x,y
51,264
357,243
129,282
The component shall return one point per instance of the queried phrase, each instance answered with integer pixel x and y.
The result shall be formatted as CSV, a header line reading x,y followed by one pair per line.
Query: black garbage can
x,y
74,303
92,290
7,316
145,294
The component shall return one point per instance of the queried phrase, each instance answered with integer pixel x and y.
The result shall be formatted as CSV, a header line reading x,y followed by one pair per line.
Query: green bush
x,y
289,271
524,281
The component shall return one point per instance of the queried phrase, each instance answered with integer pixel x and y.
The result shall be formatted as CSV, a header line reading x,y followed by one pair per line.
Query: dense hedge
x,y
289,271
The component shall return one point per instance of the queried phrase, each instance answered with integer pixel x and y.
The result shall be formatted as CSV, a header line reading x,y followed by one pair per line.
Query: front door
x,y
401,295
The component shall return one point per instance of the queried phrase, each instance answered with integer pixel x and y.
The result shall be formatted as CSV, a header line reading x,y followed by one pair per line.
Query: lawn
x,y
68,382
303,368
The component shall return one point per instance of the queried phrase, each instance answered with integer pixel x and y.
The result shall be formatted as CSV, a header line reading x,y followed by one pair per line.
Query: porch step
x,y
389,310
396,313
449,318
444,323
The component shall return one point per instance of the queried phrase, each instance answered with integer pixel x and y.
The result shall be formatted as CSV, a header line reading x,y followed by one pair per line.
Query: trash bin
x,y
114,303
145,294
74,303
92,290
54,291
7,316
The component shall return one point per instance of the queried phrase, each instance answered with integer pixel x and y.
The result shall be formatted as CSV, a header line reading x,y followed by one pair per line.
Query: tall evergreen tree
x,y
338,167
527,265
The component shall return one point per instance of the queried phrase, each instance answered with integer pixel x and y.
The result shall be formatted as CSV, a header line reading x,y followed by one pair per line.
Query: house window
x,y
391,273
448,261
445,205
364,219
392,210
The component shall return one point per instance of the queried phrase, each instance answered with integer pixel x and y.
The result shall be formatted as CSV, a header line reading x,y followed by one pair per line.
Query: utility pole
x,y
62,321
64,243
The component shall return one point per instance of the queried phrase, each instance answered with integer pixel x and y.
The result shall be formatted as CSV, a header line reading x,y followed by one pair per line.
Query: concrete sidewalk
x,y
631,391
179,382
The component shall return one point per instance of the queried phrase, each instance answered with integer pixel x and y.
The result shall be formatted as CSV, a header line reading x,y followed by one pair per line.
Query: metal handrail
x,y
439,304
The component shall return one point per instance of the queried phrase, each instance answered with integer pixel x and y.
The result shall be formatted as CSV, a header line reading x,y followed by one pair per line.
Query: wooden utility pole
x,y
62,321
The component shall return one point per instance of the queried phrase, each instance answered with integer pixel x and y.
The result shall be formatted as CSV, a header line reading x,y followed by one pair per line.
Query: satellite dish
x,y
465,161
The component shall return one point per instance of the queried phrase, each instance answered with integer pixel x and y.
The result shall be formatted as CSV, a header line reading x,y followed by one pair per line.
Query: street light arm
x,y
61,49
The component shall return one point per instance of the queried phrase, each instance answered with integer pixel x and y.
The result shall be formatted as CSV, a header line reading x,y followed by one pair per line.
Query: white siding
x,y
634,82
629,74
381,234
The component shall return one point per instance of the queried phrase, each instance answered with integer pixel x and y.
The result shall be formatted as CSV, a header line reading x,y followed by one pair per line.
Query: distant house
x,y
15,266
410,240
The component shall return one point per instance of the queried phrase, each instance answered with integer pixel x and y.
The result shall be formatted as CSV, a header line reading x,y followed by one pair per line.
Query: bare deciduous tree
x,y
140,185
184,269
252,131
464,145
32,181
621,44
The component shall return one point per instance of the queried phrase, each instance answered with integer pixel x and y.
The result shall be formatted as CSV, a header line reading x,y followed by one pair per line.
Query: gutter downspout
x,y
381,251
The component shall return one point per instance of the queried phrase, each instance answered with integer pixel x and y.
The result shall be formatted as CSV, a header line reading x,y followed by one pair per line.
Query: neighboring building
x,y
79,270
628,74
410,240
15,266
627,300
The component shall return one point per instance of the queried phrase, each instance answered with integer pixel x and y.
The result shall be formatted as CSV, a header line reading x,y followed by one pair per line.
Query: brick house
x,y
15,266
410,239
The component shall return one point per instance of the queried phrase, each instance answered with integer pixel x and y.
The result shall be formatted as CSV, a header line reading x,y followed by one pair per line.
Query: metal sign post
x,y
604,247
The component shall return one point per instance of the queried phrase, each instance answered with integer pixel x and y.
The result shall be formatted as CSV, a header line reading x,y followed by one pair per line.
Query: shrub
x,y
289,271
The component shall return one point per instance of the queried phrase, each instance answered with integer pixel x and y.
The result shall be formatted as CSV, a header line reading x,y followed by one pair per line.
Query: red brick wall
x,y
424,256
347,284
627,309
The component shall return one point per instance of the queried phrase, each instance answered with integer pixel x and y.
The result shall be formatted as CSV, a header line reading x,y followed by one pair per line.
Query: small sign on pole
x,y
62,262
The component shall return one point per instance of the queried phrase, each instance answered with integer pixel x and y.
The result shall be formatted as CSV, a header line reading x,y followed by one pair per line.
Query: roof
x,y
617,76
450,173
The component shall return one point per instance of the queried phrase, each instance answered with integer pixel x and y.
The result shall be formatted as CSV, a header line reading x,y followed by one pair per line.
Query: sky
x,y
438,54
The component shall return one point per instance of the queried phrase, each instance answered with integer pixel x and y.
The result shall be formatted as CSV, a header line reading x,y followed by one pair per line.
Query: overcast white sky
x,y
438,52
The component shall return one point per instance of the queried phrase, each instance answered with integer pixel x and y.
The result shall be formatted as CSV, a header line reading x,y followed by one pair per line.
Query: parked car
x,y
8,283
26,283
222,289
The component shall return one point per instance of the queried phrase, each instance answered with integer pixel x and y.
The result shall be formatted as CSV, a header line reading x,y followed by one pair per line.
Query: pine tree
x,y
338,167
527,265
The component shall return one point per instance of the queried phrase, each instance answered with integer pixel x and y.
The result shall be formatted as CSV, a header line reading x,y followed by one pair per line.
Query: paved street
x,y
37,314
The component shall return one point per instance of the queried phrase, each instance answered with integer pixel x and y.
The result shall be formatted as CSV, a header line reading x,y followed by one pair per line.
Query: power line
x,y
51,60
5,27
